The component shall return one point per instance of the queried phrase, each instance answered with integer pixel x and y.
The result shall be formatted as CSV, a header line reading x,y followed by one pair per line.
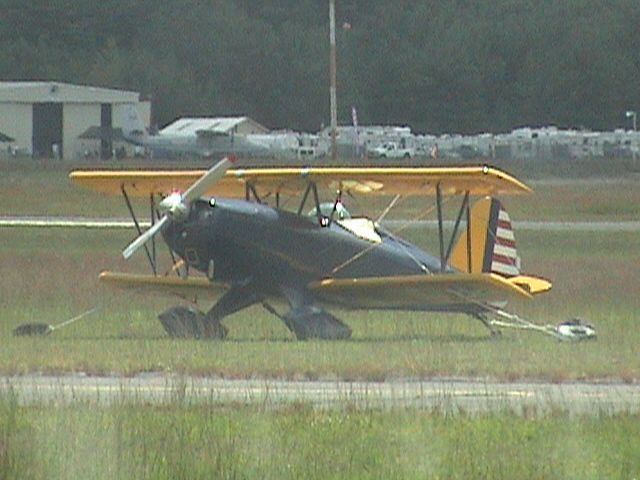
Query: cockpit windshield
x,y
327,208
361,227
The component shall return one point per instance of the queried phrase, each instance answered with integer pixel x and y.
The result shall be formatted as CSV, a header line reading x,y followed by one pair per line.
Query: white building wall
x,y
16,120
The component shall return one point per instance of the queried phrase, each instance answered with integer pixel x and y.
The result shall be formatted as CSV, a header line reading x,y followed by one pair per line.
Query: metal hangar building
x,y
47,119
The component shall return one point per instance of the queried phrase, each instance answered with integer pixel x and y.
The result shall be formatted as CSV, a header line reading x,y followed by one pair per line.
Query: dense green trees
x,y
456,65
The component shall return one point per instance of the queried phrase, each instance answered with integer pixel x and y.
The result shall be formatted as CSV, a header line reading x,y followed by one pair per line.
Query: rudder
x,y
488,245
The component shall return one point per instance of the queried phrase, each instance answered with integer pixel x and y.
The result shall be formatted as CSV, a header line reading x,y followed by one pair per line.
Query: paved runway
x,y
446,395
119,223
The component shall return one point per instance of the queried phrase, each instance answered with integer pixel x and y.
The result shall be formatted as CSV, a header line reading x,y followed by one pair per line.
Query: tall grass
x,y
205,441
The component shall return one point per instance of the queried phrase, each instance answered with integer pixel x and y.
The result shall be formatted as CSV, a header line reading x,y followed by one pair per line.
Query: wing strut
x,y
463,207
469,239
440,227
152,204
135,221
313,188
250,189
304,198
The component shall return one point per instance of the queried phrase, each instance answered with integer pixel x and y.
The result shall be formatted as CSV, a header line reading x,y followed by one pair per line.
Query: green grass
x,y
49,276
205,441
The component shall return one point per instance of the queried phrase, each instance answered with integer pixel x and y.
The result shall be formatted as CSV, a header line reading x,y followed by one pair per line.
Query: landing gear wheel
x,y
310,322
188,322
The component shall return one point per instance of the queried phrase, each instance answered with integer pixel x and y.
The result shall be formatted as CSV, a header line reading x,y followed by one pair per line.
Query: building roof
x,y
57,92
189,126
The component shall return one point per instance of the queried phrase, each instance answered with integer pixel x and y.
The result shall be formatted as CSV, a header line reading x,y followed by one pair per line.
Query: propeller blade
x,y
179,204
214,174
144,238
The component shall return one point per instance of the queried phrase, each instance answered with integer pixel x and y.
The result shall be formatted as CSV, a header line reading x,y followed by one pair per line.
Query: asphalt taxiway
x,y
447,395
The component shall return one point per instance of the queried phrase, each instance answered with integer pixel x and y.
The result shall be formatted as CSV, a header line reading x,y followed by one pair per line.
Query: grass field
x,y
51,275
203,441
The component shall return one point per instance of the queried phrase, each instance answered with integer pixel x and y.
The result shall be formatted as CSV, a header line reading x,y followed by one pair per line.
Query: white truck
x,y
392,150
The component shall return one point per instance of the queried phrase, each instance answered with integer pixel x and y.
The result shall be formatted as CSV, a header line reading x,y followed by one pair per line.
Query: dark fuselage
x,y
239,241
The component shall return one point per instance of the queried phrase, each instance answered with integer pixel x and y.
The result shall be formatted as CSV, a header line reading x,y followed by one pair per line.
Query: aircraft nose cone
x,y
174,206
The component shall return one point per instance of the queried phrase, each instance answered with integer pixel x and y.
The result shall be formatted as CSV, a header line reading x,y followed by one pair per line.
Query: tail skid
x,y
571,330
494,318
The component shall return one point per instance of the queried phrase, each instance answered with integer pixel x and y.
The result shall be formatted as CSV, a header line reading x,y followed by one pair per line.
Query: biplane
x,y
229,225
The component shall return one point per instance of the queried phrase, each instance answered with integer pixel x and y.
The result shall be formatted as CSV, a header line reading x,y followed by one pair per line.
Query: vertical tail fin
x,y
132,126
488,244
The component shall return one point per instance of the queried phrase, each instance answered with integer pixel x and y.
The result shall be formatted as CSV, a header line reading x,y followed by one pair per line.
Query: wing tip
x,y
503,175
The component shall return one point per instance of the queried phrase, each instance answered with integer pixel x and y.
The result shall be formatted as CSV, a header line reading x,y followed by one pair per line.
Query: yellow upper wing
x,y
477,180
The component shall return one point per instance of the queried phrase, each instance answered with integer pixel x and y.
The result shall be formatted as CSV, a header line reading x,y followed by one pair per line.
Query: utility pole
x,y
633,115
332,77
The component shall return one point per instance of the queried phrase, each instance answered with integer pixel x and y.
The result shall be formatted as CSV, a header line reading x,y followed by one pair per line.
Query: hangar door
x,y
47,130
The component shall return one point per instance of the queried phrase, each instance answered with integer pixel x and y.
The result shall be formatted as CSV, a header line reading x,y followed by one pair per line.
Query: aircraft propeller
x,y
175,207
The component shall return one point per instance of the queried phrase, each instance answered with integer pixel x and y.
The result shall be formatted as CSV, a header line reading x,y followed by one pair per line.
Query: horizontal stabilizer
x,y
419,292
181,287
533,285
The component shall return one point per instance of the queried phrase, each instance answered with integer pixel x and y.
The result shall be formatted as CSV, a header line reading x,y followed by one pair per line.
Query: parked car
x,y
391,150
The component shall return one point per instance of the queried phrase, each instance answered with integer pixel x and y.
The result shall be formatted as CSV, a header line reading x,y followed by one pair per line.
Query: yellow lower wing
x,y
419,291
181,287
410,292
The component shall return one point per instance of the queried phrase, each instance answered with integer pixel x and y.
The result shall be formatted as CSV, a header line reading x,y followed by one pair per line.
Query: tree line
x,y
439,66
